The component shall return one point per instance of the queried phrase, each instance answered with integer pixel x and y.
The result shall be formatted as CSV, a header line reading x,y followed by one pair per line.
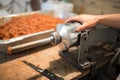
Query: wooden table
x,y
47,57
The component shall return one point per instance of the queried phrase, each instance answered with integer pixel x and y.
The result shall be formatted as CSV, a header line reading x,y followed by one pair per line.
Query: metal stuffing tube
x,y
21,47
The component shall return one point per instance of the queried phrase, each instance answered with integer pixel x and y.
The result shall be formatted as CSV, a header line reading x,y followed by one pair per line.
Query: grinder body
x,y
65,35
88,43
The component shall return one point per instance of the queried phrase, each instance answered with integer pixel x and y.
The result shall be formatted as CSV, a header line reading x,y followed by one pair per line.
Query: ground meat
x,y
23,25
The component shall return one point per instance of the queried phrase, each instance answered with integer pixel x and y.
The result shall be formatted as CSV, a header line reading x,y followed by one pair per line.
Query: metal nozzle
x,y
56,38
18,48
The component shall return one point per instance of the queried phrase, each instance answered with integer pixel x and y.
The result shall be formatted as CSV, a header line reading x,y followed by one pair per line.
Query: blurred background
x,y
61,8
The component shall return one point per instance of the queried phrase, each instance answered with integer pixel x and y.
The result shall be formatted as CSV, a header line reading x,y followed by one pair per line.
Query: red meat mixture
x,y
23,25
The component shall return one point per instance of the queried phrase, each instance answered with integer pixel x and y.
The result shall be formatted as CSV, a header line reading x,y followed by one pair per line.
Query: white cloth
x,y
17,6
118,78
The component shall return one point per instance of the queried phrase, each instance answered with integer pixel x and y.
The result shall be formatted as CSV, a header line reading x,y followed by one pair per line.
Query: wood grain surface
x,y
46,57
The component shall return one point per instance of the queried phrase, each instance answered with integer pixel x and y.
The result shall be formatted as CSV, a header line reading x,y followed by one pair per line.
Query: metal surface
x,y
93,38
27,39
29,45
5,44
86,40
7,18
67,34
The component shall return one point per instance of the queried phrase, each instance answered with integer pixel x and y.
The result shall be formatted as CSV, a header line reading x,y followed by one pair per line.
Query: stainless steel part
x,y
29,45
92,38
90,50
7,18
4,44
83,50
66,35
30,38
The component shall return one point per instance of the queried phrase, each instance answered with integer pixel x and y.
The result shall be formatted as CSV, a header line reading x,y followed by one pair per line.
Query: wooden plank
x,y
101,7
96,6
12,67
79,6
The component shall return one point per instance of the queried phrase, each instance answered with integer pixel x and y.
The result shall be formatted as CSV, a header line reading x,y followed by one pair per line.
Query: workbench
x,y
46,57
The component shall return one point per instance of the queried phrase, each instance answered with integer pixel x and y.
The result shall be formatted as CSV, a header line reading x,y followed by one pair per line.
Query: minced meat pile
x,y
29,24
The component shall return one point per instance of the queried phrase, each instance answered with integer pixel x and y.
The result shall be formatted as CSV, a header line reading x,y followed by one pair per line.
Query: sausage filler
x,y
80,48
